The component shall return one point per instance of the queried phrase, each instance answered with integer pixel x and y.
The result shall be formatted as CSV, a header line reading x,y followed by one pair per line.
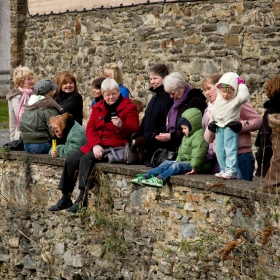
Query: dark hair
x,y
272,87
159,69
96,83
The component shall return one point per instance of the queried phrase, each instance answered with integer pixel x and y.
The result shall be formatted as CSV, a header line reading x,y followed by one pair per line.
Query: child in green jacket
x,y
191,154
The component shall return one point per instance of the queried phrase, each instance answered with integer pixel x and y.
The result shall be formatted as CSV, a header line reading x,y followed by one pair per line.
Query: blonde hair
x,y
21,73
60,121
113,71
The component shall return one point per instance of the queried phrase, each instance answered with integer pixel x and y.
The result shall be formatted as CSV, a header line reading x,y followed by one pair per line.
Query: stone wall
x,y
197,227
195,38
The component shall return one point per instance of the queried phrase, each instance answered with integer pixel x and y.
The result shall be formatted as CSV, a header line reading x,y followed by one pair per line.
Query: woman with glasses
x,y
17,98
68,135
111,124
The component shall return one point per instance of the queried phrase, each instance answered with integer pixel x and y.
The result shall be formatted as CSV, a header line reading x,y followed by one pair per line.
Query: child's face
x,y
185,129
210,92
227,93
96,92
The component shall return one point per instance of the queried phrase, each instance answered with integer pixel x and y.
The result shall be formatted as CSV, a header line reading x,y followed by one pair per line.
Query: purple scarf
x,y
173,112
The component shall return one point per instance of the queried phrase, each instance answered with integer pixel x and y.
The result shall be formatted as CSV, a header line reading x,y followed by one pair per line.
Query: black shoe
x,y
78,205
61,204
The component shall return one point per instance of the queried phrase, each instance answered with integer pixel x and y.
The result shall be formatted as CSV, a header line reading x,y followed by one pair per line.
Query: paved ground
x,y
4,137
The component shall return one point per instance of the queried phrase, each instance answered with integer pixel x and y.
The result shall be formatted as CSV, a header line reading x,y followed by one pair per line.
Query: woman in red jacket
x,y
111,124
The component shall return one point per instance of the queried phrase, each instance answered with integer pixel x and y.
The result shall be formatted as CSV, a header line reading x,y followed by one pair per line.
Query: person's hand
x,y
235,126
139,141
163,137
116,121
53,153
212,126
240,81
97,151
192,172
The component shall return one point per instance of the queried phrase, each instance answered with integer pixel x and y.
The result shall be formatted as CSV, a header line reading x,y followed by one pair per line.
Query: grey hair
x,y
109,84
174,81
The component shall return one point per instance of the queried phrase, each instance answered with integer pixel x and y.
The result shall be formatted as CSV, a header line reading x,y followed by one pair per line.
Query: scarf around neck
x,y
112,109
173,112
25,96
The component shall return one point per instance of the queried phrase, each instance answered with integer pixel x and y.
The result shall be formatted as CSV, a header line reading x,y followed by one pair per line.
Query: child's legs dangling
x,y
220,151
159,169
174,169
231,147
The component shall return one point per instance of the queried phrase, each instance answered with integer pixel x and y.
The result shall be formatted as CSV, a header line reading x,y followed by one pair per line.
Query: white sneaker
x,y
220,174
229,175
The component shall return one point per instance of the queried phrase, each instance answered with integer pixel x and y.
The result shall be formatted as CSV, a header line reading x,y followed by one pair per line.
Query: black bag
x,y
160,155
16,145
134,155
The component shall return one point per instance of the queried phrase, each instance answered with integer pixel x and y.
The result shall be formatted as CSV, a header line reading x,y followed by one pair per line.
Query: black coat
x,y
195,99
154,120
71,103
263,141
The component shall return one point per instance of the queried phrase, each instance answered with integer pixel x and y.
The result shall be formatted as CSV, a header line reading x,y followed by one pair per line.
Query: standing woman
x,y
17,98
33,126
67,96
113,71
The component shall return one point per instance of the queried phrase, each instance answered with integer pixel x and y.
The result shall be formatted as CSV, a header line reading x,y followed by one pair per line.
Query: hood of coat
x,y
230,78
13,93
194,117
43,104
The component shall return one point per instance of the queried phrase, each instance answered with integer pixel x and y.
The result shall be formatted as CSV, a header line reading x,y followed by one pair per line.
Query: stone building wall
x,y
197,227
195,38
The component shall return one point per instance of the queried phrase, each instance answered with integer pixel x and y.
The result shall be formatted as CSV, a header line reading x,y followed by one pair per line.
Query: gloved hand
x,y
240,81
139,141
235,126
212,126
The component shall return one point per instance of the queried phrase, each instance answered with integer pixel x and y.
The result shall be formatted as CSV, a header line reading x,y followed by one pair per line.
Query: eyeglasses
x,y
30,79
110,94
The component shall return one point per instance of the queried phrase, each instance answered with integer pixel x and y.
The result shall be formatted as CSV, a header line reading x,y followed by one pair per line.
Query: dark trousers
x,y
77,164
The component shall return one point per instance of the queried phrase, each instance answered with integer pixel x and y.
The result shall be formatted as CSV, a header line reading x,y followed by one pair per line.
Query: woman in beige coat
x,y
18,96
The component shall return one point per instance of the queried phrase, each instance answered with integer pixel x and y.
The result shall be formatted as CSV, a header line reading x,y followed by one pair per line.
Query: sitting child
x,y
191,154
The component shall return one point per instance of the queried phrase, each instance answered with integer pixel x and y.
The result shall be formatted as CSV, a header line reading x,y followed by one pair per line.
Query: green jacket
x,y
193,147
76,138
34,121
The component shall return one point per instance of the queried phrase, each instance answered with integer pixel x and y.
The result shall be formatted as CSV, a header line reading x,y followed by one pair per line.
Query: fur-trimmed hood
x,y
13,93
274,121
43,104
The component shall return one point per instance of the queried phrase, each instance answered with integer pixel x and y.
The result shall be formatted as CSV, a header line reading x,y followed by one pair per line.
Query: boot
x,y
81,202
64,203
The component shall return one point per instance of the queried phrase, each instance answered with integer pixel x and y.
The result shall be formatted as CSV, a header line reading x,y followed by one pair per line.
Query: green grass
x,y
4,114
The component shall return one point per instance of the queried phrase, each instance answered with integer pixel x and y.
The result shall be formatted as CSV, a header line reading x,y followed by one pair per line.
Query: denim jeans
x,y
246,166
37,148
226,148
169,168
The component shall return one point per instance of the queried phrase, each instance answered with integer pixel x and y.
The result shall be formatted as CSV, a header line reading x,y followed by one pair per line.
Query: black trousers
x,y
77,165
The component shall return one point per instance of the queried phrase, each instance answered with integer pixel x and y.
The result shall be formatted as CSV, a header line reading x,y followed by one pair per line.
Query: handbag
x,y
160,155
133,155
114,155
16,145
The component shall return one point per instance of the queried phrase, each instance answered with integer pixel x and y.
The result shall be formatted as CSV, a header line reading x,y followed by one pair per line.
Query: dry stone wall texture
x,y
195,38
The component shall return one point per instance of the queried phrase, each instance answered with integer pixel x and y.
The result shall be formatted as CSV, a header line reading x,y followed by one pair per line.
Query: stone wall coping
x,y
237,188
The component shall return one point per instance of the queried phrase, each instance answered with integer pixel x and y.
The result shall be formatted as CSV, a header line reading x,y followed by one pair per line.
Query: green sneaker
x,y
153,182
138,180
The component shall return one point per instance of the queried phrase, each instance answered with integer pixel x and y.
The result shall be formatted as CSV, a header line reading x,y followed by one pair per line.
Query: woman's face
x,y
96,92
28,83
177,94
68,86
111,96
155,80
210,92
57,130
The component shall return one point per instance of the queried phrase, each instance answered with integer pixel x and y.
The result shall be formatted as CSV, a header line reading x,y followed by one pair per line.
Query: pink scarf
x,y
25,96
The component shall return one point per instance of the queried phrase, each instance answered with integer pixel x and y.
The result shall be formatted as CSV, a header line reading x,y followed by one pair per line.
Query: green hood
x,y
194,116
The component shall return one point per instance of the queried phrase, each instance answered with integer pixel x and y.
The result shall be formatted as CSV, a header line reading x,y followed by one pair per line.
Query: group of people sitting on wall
x,y
210,132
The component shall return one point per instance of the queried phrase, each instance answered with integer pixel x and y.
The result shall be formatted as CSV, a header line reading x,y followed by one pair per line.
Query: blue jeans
x,y
246,166
226,148
169,168
37,148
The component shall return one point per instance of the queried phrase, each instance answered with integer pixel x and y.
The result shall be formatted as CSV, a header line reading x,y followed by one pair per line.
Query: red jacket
x,y
106,134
